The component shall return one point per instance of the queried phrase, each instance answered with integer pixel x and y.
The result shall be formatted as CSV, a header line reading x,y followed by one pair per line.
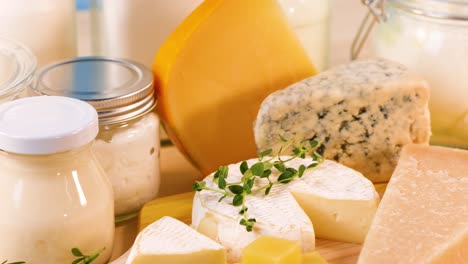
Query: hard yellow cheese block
x,y
215,69
272,250
423,216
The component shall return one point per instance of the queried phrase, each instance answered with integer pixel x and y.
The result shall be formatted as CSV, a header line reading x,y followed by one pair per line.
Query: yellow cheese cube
x,y
272,250
313,258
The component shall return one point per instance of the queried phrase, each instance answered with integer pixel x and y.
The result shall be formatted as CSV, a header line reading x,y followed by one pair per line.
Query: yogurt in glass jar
x,y
54,194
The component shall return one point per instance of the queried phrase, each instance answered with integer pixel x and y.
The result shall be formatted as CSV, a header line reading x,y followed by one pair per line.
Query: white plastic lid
x,y
46,125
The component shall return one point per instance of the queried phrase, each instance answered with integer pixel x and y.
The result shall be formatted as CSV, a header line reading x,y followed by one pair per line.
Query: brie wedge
x,y
169,241
340,202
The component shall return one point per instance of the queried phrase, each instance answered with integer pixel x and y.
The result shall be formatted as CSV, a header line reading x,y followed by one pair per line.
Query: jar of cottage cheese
x,y
128,142
17,67
54,194
431,38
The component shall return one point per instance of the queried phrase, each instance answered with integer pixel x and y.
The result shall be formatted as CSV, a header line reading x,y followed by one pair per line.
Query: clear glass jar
x,y
17,67
128,142
46,26
54,194
310,20
135,29
431,38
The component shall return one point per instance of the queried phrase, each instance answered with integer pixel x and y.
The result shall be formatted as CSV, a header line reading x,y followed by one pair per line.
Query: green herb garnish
x,y
16,262
263,169
85,259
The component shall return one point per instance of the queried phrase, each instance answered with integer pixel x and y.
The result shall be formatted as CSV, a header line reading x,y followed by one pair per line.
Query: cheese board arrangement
x,y
300,164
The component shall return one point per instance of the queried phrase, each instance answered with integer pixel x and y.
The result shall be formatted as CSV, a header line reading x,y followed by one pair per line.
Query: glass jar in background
x,y
17,67
54,194
310,20
46,26
430,37
128,142
135,29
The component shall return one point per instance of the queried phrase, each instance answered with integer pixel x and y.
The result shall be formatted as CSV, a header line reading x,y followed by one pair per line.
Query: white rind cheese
x,y
277,215
363,112
169,241
341,200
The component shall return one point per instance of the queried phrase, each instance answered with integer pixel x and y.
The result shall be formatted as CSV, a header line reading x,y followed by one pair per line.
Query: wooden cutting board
x,y
180,206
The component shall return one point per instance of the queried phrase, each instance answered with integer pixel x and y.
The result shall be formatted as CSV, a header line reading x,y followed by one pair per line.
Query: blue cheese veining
x,y
363,112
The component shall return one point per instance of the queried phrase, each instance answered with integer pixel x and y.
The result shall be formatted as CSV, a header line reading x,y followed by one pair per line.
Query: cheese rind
x,y
277,215
169,241
423,216
215,69
339,201
363,112
335,188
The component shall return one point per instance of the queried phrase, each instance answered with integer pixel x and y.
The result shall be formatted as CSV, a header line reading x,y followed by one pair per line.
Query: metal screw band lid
x,y
119,90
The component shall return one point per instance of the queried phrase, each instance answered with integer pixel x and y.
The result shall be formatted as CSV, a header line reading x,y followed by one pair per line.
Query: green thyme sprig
x,y
263,169
16,262
85,259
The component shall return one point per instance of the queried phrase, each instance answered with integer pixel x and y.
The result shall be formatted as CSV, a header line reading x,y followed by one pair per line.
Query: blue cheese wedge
x,y
363,113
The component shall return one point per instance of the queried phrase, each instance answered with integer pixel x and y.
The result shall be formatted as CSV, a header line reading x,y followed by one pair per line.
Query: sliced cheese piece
x,y
346,202
313,258
423,216
215,69
272,250
169,241
340,202
363,112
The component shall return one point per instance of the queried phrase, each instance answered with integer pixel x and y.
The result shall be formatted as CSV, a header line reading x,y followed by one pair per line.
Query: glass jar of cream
x,y
128,141
431,38
310,20
54,194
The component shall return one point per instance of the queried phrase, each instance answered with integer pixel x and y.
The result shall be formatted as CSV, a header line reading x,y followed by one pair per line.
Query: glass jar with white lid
x,y
127,145
17,67
54,194
431,38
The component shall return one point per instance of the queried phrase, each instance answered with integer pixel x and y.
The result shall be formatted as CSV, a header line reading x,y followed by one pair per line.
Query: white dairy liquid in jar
x,y
434,44
55,195
310,20
127,145
17,67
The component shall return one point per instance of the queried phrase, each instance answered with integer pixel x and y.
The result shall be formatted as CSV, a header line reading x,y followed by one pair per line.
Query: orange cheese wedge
x,y
215,69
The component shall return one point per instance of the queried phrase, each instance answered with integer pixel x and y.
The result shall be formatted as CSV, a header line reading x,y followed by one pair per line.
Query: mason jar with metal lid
x,y
17,67
128,141
431,38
